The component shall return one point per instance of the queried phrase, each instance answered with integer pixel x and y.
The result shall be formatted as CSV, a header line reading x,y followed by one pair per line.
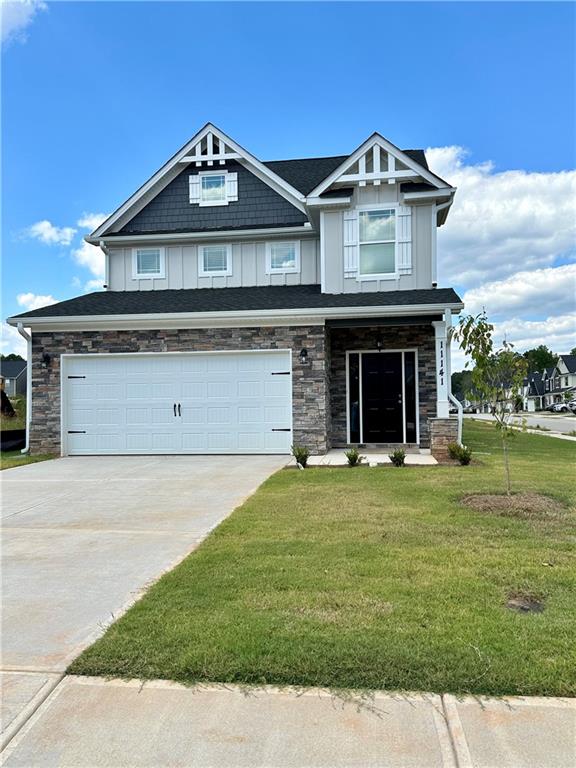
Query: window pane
x,y
215,258
354,394
283,256
148,261
377,259
213,188
376,225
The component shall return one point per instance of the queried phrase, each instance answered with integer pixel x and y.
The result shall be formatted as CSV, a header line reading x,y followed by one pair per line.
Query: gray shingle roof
x,y
569,362
11,369
306,173
235,300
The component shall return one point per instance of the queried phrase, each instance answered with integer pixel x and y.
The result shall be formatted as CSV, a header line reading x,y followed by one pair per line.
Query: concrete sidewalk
x,y
91,722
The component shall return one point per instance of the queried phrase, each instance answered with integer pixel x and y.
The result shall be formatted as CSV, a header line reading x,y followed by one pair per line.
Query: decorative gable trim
x,y
216,151
378,161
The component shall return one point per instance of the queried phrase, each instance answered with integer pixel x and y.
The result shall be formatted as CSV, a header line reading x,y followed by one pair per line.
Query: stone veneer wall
x,y
442,433
309,382
420,337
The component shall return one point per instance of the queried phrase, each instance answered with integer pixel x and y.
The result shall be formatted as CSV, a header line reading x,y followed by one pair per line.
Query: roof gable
x,y
11,369
210,145
378,161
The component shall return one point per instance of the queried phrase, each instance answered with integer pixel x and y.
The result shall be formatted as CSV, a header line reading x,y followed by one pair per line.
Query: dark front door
x,y
382,414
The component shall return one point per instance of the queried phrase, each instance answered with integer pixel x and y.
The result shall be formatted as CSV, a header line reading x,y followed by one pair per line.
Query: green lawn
x,y
371,578
11,459
19,420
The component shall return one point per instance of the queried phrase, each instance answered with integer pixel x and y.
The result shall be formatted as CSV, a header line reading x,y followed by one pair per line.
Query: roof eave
x,y
229,318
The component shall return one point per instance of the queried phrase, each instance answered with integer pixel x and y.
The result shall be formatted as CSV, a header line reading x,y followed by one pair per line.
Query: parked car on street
x,y
560,408
572,406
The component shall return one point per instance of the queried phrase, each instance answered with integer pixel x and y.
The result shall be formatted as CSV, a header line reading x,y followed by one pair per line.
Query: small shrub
x,y
398,457
354,458
460,453
301,454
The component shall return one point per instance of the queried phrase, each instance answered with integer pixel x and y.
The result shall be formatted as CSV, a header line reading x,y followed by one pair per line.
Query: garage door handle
x,y
179,411
282,430
174,409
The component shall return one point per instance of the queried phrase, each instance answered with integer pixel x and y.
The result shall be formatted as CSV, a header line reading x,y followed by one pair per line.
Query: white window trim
x,y
385,275
270,270
213,203
219,272
139,276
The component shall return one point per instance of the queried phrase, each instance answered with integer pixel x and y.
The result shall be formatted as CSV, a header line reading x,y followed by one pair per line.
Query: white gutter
x,y
26,335
431,193
240,234
453,400
248,318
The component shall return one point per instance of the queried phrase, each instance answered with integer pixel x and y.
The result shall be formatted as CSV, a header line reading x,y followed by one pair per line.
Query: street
x,y
561,422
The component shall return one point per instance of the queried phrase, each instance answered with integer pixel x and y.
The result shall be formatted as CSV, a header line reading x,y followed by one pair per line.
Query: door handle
x,y
179,411
174,409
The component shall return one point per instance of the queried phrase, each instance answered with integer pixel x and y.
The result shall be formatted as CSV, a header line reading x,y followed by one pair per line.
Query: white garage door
x,y
223,402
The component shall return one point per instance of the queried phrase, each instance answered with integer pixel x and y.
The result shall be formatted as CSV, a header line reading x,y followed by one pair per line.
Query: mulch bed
x,y
527,505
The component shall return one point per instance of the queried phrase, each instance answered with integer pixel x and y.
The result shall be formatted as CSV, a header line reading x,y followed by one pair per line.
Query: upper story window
x,y
283,257
377,240
211,188
148,263
214,260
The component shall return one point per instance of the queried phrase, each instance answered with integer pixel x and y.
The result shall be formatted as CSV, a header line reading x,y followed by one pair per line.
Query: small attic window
x,y
211,188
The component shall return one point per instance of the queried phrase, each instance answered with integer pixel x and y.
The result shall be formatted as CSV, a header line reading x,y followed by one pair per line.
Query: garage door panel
x,y
194,390
229,403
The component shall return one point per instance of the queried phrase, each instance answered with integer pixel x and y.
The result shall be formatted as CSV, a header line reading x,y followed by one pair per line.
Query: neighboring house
x,y
14,374
252,305
533,392
555,384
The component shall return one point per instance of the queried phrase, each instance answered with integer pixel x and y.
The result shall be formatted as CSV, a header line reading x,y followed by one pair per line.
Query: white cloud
x,y
94,285
91,221
35,301
526,293
16,16
11,341
49,234
91,257
504,222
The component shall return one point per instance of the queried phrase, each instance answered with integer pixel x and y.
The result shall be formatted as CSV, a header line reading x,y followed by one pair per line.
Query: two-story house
x,y
252,305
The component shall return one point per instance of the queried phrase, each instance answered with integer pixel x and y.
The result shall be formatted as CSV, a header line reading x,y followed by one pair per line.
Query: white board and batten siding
x,y
248,268
177,403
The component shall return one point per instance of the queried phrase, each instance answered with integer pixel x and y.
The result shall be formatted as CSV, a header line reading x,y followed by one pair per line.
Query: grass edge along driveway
x,y
370,578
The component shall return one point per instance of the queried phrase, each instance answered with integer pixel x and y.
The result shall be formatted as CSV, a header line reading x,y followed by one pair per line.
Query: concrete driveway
x,y
82,538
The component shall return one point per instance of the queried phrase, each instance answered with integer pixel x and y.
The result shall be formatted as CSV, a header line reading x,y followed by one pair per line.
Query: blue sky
x,y
97,95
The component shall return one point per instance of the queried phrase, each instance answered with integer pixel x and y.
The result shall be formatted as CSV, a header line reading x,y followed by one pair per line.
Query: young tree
x,y
498,375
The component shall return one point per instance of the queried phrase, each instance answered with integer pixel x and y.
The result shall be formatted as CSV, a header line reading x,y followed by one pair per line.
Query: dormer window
x,y
148,263
212,188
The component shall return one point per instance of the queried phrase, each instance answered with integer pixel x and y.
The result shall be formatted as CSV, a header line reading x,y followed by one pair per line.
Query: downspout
x,y
26,335
453,400
106,253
